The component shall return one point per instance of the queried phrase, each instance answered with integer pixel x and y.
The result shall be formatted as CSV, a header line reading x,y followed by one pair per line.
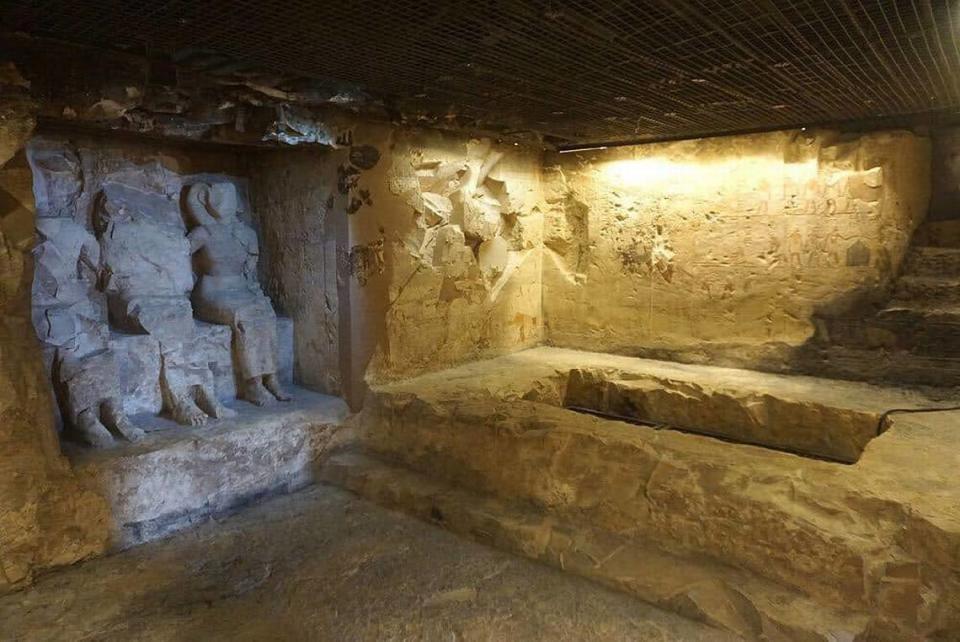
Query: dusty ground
x,y
325,565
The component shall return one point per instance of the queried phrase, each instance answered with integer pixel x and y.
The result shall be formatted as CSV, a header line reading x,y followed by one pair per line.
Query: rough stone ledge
x,y
769,414
881,536
719,595
179,476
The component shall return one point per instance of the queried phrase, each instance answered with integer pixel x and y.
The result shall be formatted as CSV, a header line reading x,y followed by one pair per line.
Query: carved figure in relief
x,y
228,293
794,247
70,317
147,280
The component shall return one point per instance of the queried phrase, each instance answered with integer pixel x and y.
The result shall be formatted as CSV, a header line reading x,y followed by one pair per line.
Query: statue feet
x,y
117,419
186,413
91,432
272,383
255,392
212,406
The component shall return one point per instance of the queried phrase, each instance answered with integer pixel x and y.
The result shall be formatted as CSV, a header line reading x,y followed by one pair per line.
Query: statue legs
x,y
187,385
272,383
93,399
118,422
188,389
91,431
254,325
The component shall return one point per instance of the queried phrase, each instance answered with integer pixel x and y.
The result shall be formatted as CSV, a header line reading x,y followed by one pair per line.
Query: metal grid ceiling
x,y
576,71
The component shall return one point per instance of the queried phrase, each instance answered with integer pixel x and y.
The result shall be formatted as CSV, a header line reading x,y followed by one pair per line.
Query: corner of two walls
x,y
723,250
445,249
431,242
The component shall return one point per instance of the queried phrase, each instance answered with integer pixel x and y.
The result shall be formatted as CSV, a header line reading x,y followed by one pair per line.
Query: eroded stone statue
x,y
70,316
147,280
228,293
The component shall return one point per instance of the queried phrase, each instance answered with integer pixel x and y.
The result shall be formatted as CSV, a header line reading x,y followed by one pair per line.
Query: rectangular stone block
x,y
212,344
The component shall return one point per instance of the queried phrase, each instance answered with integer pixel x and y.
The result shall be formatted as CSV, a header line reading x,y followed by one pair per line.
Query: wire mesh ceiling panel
x,y
577,70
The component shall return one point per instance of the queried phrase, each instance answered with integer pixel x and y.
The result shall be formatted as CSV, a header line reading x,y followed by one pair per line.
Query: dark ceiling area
x,y
582,71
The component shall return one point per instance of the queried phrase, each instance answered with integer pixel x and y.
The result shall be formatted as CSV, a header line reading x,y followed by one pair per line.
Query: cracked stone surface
x,y
877,539
325,565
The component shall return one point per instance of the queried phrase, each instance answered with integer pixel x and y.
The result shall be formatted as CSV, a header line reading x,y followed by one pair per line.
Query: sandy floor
x,y
325,565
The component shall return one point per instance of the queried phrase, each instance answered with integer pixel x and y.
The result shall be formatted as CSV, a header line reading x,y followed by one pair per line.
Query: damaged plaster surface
x,y
724,248
465,252
195,95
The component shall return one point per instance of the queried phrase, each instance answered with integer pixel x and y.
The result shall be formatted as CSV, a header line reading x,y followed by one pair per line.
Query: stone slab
x,y
177,476
771,411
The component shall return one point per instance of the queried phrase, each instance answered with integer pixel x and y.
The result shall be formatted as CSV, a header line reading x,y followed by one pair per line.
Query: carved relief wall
x,y
464,243
433,240
144,296
721,249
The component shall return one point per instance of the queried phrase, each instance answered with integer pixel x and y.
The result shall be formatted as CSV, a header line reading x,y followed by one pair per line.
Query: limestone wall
x,y
299,234
460,224
945,200
433,241
722,249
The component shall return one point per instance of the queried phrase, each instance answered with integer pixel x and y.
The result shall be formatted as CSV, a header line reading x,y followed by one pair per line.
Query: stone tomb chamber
x,y
591,322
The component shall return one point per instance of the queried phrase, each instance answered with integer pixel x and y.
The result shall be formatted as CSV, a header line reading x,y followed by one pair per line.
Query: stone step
x,y
928,289
722,596
903,326
880,366
933,261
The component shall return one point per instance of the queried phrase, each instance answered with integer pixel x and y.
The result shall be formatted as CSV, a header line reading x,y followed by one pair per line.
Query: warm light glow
x,y
703,176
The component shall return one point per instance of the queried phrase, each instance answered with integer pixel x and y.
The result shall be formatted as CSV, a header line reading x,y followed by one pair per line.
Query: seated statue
x,y
70,318
228,293
147,278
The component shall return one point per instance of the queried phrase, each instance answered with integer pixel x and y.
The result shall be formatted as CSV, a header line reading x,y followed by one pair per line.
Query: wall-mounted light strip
x,y
580,149
943,118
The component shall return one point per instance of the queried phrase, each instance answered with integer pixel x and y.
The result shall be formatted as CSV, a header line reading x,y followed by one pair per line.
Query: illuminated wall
x,y
722,249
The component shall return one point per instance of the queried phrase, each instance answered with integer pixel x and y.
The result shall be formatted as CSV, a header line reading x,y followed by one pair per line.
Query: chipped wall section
x,y
460,221
293,194
721,249
46,518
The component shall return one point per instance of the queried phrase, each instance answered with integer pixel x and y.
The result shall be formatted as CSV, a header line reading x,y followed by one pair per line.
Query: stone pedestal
x,y
177,475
